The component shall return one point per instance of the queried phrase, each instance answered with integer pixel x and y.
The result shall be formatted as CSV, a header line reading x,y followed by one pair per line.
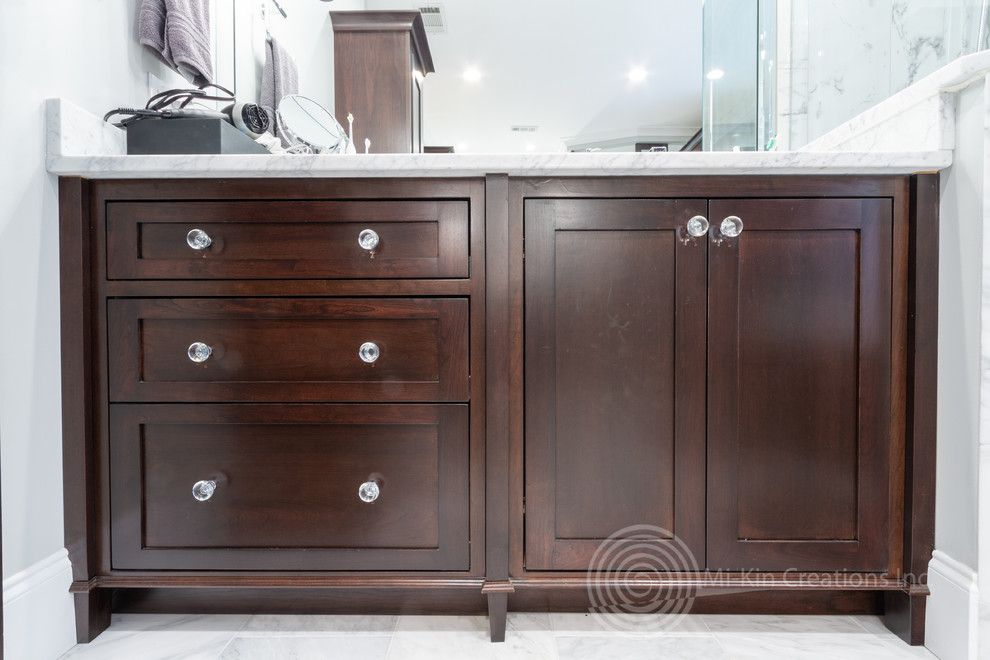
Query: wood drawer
x,y
287,239
287,480
288,349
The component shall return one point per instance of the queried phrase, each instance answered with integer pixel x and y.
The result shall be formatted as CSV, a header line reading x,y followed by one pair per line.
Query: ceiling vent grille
x,y
524,129
433,18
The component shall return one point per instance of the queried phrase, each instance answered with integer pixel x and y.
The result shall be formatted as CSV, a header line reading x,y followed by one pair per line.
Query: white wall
x,y
86,52
960,259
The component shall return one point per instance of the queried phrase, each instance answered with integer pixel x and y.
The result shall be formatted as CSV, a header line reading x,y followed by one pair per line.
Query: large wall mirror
x,y
517,75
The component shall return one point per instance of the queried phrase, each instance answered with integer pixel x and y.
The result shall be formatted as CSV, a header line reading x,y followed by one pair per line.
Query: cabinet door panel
x,y
615,308
799,386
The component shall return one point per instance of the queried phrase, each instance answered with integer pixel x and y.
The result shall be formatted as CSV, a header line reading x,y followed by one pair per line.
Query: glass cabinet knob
x,y
697,226
732,226
203,490
368,239
199,352
198,239
369,351
369,491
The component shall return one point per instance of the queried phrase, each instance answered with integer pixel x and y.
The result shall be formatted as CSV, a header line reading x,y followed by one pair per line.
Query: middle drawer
x,y
288,349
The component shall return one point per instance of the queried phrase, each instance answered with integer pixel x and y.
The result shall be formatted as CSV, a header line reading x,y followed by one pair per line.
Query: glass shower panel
x,y
766,111
730,68
739,98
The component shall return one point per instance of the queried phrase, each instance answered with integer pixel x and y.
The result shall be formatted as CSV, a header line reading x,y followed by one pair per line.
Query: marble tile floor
x,y
529,637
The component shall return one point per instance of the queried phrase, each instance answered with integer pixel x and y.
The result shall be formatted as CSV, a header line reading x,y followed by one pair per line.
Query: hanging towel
x,y
279,78
151,27
187,35
179,33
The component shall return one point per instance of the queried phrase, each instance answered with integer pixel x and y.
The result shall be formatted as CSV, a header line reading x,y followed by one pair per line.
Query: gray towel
x,y
279,78
179,32
151,27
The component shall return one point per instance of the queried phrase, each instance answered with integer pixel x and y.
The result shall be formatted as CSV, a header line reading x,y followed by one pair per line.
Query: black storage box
x,y
193,135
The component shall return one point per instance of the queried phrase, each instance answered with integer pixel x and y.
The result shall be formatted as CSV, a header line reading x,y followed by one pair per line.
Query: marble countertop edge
x,y
81,144
469,165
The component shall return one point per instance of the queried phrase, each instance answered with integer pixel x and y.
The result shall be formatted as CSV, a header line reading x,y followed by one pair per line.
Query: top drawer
x,y
287,240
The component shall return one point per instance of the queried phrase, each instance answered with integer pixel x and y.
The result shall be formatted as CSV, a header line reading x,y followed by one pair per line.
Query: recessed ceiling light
x,y
461,147
715,74
472,74
637,74
530,147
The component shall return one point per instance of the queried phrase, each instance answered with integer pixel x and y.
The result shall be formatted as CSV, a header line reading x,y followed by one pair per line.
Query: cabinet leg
x,y
904,615
498,604
92,614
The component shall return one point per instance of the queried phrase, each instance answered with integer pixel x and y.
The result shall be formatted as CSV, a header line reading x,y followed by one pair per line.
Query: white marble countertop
x,y
81,144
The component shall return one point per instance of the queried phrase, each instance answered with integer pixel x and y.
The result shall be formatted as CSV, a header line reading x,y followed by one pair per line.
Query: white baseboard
x,y
38,617
952,614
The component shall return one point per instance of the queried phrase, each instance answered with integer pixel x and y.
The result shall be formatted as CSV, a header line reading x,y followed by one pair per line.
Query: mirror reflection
x,y
307,122
518,76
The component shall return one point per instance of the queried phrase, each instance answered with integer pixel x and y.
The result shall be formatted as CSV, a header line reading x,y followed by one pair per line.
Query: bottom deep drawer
x,y
289,487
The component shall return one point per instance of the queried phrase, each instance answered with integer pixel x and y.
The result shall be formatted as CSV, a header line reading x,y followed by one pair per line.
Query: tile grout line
x,y
391,638
725,651
233,636
875,633
711,632
247,620
225,646
553,640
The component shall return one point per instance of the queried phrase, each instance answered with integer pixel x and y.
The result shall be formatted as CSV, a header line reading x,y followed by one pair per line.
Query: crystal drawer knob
x,y
199,352
731,226
203,490
697,226
369,491
369,351
368,239
198,239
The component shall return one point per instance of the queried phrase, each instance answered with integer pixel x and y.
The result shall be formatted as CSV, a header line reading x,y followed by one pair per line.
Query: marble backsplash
x,y
848,55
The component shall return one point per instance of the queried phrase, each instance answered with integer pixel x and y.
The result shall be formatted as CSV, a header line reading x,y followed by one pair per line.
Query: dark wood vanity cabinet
x,y
732,374
274,395
745,415
625,311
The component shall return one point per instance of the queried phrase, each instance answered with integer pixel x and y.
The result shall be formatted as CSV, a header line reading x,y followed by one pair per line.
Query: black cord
x,y
166,98
134,115
161,101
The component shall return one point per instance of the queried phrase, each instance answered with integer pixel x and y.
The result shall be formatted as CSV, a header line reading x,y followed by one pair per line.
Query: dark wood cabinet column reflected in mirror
x,y
380,59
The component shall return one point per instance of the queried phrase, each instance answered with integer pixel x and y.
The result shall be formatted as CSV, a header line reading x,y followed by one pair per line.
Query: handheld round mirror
x,y
308,122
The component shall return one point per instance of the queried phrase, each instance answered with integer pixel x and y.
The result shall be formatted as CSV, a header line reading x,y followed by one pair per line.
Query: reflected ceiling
x,y
563,67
